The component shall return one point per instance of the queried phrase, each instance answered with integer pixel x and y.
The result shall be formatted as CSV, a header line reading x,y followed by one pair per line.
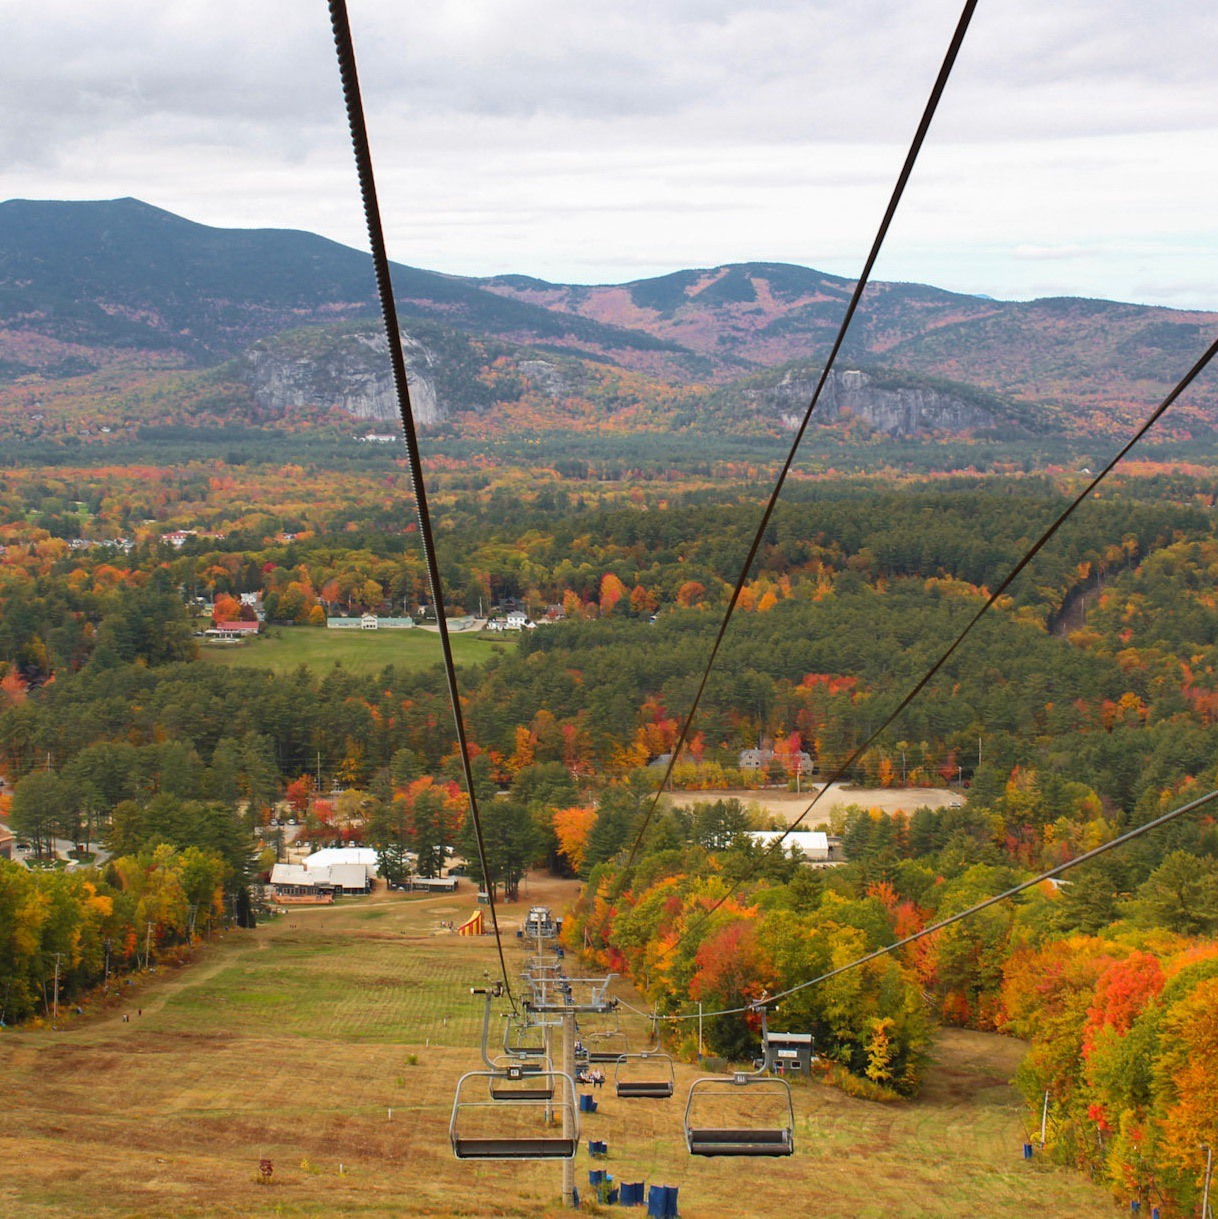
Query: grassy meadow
x,y
284,648
294,1041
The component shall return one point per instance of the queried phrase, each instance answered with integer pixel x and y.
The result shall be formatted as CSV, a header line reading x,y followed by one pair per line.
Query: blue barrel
x,y
632,1193
560,953
657,1202
595,1176
1027,1151
612,1198
670,1201
1135,1206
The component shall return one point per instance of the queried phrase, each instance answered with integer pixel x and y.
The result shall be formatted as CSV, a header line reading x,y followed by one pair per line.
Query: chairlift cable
x,y
345,49
903,177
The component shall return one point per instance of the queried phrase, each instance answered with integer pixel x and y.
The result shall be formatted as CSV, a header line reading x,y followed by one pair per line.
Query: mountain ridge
x,y
122,284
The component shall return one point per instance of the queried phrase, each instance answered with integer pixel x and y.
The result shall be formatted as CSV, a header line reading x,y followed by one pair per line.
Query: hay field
x,y
292,1042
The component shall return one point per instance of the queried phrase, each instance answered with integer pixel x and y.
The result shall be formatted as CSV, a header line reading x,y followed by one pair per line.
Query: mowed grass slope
x,y
293,1041
284,648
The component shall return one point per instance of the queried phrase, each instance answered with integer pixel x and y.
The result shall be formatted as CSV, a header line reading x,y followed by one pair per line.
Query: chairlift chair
x,y
658,1079
518,1130
521,1050
522,1081
754,1139
619,1047
775,1139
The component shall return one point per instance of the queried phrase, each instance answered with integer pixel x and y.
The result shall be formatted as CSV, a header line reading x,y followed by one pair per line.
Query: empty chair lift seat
x,y
514,1149
770,1132
519,1127
644,1076
740,1142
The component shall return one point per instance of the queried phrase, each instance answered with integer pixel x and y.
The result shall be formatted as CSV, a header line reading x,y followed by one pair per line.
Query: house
x,y
6,843
433,884
325,875
789,1053
178,537
758,759
226,632
514,620
367,622
349,878
291,884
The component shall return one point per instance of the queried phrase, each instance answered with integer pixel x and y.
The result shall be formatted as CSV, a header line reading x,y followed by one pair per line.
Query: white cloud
x,y
602,141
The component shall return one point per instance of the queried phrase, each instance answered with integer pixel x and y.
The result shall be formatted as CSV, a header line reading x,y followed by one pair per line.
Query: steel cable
x,y
384,282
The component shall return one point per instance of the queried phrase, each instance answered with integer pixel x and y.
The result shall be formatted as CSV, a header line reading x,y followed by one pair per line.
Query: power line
x,y
380,260
903,177
1013,891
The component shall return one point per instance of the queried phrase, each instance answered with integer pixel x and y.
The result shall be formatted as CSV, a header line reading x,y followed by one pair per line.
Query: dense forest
x,y
1085,704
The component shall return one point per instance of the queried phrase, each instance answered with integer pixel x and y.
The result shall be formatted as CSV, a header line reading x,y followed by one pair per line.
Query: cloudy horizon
x,y
1073,152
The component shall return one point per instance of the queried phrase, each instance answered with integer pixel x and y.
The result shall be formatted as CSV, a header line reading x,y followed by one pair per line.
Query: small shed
x,y
789,1053
433,884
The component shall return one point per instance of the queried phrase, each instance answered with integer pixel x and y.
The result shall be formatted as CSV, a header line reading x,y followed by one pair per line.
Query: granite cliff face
x,y
343,368
899,410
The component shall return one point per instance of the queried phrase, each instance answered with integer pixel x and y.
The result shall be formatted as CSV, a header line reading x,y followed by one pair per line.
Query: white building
x,y
813,845
330,856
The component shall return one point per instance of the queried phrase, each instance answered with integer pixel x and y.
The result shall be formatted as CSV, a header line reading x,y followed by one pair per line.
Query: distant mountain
x,y
126,288
122,275
1090,362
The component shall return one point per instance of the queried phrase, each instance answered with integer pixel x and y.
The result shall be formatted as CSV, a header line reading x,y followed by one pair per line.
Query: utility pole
x,y
58,955
106,943
568,1118
1044,1118
701,1047
548,1064
1206,1213
193,911
148,946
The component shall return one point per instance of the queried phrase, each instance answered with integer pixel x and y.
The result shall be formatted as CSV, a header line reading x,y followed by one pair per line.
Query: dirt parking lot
x,y
788,805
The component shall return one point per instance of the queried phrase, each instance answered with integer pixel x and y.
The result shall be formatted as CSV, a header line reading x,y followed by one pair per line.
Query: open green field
x,y
293,1042
286,647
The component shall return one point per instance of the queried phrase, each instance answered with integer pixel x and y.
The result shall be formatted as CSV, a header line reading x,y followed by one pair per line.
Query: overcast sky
x,y
1076,150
